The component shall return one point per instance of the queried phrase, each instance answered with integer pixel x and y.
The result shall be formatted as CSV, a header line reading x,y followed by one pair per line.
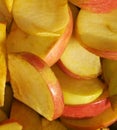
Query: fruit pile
x,y
58,63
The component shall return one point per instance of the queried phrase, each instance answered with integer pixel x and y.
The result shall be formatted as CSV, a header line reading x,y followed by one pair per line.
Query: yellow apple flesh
x,y
3,68
35,84
41,17
81,66
78,91
24,115
98,32
49,48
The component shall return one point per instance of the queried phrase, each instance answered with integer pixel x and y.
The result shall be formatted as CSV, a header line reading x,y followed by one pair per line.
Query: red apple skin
x,y
61,44
105,54
55,88
86,110
98,6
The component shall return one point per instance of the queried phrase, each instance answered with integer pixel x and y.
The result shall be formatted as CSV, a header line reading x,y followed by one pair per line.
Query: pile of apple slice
x,y
57,68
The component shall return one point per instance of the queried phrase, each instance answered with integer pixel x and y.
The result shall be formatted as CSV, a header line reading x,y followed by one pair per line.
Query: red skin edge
x,y
67,71
61,44
54,88
86,110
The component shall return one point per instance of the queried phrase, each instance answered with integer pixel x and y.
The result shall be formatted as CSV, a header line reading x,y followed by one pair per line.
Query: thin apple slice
x,y
98,6
52,125
81,66
10,125
78,91
88,110
105,119
32,119
97,30
49,48
3,69
41,17
35,84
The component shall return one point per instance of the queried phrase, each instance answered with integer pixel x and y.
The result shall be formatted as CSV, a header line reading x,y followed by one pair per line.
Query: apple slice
x,y
81,66
10,125
52,125
35,84
32,119
97,30
49,48
78,91
41,17
103,120
98,6
3,68
88,110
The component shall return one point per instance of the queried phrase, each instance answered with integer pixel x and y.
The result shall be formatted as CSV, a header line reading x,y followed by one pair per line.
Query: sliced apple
x,y
81,66
49,48
32,119
98,32
10,125
52,125
41,17
98,6
88,110
35,84
3,68
78,91
103,120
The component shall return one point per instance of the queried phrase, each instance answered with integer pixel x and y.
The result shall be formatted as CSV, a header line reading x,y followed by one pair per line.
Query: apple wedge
x,y
35,84
49,48
78,91
103,120
97,32
88,110
10,125
98,6
81,66
3,68
41,17
32,119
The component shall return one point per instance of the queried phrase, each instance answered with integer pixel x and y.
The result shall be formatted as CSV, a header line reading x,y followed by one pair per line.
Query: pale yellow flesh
x,y
79,61
32,119
78,91
3,70
11,126
98,31
29,87
18,41
41,17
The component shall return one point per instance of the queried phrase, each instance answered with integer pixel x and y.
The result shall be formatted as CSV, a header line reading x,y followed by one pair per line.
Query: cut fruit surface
x,y
98,32
49,48
81,66
78,91
32,119
35,84
41,17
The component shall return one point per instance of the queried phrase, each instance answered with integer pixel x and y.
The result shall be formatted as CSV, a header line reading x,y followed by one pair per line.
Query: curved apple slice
x,y
98,31
78,91
88,110
103,120
35,84
98,6
81,66
41,17
49,48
